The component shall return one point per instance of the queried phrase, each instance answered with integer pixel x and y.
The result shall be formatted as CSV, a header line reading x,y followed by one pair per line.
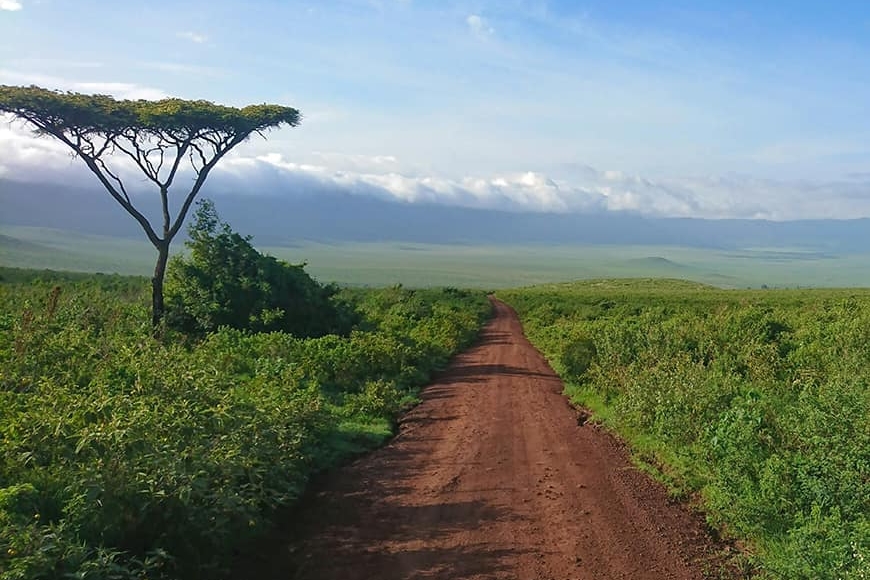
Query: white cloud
x,y
11,5
707,197
122,90
479,25
358,163
26,157
117,90
192,36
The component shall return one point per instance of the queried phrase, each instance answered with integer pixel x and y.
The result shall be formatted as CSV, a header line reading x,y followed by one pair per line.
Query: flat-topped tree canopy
x,y
158,136
103,114
95,126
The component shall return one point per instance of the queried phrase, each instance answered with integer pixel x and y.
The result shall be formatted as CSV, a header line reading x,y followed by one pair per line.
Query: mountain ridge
x,y
283,218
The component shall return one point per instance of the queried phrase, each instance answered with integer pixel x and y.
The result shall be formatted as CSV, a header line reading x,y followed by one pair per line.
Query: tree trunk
x,y
157,308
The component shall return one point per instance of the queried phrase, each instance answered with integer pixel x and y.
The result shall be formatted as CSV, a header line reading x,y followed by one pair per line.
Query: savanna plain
x,y
126,454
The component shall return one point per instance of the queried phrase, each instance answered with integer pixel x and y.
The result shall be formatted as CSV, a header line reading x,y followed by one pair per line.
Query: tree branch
x,y
122,199
180,152
117,179
200,179
136,155
162,152
164,204
144,131
196,148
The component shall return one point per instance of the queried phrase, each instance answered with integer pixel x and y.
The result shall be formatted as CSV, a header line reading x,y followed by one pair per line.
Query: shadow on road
x,y
360,514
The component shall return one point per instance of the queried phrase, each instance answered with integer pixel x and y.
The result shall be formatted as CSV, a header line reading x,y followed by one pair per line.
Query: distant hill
x,y
656,262
284,218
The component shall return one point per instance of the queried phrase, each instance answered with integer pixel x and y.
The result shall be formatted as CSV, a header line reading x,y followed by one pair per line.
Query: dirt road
x,y
492,477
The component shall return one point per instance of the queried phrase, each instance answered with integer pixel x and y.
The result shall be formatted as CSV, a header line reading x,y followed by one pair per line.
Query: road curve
x,y
492,476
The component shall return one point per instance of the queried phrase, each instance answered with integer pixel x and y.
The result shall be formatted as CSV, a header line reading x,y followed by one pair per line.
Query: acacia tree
x,y
159,137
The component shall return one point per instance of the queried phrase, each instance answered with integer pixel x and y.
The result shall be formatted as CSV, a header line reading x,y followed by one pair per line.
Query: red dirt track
x,y
491,477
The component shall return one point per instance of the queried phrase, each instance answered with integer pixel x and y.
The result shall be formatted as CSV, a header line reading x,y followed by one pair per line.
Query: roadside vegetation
x,y
757,403
124,455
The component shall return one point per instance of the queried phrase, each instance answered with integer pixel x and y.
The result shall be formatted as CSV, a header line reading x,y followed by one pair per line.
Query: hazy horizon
x,y
364,240
718,110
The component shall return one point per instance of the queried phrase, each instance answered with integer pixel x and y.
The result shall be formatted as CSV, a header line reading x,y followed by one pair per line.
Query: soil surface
x,y
493,476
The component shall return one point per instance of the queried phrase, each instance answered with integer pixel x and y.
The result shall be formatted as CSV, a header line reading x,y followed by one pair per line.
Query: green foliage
x,y
102,114
124,457
225,281
759,401
19,275
577,356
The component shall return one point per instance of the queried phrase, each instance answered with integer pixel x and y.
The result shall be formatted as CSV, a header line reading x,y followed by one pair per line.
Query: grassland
x,y
754,402
473,266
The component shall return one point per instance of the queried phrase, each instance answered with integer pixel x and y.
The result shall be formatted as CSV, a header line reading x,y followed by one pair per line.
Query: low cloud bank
x,y
24,157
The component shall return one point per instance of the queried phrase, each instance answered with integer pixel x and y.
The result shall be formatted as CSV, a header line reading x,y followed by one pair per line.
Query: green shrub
x,y
577,356
225,281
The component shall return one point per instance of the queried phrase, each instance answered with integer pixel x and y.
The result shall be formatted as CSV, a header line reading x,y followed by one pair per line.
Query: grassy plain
x,y
754,401
473,266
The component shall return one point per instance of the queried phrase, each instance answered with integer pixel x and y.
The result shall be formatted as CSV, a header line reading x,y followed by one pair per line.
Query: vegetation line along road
x,y
125,456
757,403
491,476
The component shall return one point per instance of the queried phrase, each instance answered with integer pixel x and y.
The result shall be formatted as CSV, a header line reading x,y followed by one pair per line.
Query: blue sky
x,y
717,109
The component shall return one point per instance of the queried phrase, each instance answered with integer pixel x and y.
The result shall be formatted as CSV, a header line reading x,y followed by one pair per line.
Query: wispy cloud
x,y
11,5
116,89
479,25
352,163
802,150
193,36
485,102
122,90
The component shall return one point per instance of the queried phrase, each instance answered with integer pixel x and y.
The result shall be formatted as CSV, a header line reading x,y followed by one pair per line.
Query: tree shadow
x,y
482,372
494,337
363,530
421,564
368,520
419,420
378,518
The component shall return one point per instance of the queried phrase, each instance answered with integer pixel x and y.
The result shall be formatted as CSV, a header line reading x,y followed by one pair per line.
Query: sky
x,y
667,108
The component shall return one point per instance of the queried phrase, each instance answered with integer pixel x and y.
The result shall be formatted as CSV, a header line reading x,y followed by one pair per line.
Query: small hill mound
x,y
656,262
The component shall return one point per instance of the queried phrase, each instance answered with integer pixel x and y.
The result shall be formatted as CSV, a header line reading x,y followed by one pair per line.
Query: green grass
x,y
473,266
44,248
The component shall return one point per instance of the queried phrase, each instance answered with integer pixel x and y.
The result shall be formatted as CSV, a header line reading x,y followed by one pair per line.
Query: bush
x,y
578,354
225,281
